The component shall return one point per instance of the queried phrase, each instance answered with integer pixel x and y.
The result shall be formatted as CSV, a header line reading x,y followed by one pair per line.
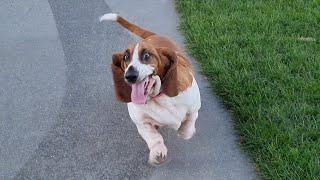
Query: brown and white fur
x,y
173,97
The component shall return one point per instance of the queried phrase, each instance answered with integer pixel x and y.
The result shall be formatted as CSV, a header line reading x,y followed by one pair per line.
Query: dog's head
x,y
134,71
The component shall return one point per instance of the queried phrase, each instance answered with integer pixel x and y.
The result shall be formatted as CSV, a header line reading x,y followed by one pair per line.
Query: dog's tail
x,y
126,24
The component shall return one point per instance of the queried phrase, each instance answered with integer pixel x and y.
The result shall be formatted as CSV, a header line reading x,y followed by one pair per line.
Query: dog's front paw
x,y
158,154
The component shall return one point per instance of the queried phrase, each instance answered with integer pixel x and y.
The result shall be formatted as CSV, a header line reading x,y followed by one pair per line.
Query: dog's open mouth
x,y
141,90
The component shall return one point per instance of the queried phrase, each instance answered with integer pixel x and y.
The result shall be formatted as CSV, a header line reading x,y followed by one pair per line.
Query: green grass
x,y
257,58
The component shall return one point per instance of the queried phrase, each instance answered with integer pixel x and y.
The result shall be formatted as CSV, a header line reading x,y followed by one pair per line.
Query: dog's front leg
x,y
158,151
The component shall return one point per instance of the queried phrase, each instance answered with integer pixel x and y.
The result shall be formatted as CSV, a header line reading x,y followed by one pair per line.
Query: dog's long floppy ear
x,y
169,79
176,75
122,89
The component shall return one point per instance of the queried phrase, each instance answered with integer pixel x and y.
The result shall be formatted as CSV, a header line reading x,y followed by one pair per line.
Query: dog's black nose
x,y
131,75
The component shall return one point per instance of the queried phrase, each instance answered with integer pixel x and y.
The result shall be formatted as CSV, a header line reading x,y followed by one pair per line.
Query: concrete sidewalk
x,y
213,153
58,115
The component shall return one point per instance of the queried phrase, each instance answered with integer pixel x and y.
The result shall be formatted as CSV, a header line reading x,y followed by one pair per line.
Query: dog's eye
x,y
126,57
145,56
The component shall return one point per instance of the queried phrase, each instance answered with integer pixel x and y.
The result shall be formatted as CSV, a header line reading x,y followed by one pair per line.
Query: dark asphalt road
x,y
58,115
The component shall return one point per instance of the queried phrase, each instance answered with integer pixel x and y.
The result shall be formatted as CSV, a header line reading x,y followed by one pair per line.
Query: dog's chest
x,y
163,111
167,111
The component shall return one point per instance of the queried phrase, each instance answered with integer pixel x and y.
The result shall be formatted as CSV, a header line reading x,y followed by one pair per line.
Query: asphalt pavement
x,y
58,115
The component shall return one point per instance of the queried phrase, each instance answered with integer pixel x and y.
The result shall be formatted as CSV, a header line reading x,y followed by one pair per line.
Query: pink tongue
x,y
138,92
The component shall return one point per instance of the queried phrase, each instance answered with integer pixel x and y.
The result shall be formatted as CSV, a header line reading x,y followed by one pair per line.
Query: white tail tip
x,y
109,17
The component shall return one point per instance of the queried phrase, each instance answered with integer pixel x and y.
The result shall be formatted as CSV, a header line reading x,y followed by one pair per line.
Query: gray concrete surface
x,y
58,115
32,80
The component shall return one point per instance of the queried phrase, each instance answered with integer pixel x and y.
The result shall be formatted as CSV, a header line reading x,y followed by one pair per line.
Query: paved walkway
x,y
58,115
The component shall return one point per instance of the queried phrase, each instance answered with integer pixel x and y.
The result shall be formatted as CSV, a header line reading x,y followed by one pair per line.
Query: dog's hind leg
x,y
187,128
158,151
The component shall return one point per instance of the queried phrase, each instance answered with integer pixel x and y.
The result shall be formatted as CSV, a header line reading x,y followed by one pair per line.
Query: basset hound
x,y
156,80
